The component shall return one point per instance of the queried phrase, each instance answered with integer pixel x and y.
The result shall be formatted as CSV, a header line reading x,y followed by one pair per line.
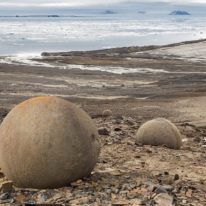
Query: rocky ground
x,y
126,173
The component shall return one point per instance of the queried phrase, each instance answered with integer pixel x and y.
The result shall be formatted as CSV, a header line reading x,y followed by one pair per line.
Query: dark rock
x,y
117,129
151,187
6,187
160,189
6,199
130,121
103,131
169,188
176,177
4,196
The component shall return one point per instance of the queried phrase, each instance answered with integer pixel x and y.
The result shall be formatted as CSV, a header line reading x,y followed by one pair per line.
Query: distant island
x,y
26,16
109,12
180,13
54,16
142,12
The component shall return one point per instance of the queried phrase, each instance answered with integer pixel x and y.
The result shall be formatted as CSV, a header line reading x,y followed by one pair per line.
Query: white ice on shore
x,y
189,52
32,60
29,60
24,59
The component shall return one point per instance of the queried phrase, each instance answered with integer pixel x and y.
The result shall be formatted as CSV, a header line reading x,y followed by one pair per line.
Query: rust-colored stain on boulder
x,y
36,100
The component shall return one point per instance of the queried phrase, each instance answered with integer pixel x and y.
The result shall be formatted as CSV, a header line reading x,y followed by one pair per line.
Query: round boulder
x,y
47,142
159,131
107,113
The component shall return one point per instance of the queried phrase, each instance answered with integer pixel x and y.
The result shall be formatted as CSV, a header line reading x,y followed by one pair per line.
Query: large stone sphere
x,y
159,131
47,142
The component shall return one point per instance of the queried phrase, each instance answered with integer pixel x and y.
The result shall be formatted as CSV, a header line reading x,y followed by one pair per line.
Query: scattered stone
x,y
4,196
55,143
168,180
137,156
150,186
160,189
137,202
148,150
80,201
119,119
197,139
107,113
120,203
176,177
43,196
129,142
103,131
168,188
159,132
163,199
130,121
189,193
1,174
130,175
117,129
6,187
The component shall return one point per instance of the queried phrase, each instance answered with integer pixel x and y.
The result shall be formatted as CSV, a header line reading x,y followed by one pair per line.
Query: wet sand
x,y
172,86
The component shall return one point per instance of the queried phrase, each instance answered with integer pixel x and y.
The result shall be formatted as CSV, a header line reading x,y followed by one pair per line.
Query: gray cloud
x,y
77,3
60,3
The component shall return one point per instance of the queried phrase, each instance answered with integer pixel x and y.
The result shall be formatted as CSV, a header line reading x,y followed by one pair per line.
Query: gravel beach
x,y
137,84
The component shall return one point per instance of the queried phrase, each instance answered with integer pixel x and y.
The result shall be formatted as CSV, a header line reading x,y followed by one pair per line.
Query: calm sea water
x,y
33,35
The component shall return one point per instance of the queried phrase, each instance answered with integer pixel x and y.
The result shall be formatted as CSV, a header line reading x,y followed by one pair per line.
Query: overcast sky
x,y
77,3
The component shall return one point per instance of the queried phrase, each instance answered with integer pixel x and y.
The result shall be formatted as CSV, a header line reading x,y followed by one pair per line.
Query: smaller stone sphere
x,y
157,132
47,142
107,113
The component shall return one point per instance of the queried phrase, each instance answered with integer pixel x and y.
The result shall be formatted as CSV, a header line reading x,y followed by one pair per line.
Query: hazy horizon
x,y
85,3
89,7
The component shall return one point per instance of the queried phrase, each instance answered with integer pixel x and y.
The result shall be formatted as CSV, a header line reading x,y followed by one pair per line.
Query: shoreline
x,y
146,58
123,49
147,71
125,73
